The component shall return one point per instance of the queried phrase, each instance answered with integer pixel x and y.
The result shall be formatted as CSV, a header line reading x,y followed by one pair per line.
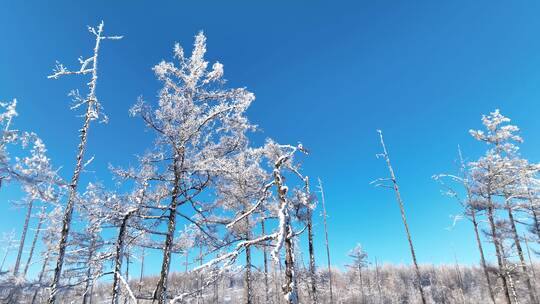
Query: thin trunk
x,y
326,243
40,278
118,257
200,299
23,238
482,256
88,282
141,275
475,227
378,280
312,270
535,216
460,280
126,299
403,217
68,214
265,259
6,253
362,296
496,243
247,278
530,260
517,242
33,247
160,294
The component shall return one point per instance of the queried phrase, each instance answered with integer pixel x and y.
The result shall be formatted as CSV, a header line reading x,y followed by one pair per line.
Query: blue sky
x,y
326,73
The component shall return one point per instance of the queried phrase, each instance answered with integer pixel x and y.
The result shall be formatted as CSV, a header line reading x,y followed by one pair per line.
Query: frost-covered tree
x,y
89,66
495,178
359,261
471,210
198,122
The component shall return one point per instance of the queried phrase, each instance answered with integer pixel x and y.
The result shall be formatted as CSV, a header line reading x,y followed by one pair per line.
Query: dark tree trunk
x,y
23,238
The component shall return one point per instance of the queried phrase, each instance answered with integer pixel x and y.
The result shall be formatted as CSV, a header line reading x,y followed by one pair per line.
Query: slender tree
x,y
330,283
403,217
93,108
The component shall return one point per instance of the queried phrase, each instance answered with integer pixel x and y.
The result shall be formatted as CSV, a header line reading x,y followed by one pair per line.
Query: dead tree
x,y
23,237
93,108
330,283
395,186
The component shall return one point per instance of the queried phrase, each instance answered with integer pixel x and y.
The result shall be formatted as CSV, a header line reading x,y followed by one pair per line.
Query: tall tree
x,y
330,283
394,185
88,66
198,122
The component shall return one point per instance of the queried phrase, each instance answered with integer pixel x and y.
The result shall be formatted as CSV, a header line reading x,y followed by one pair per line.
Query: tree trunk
x,y
265,260
33,247
40,278
119,256
378,280
482,257
247,278
330,284
312,270
496,243
160,294
88,284
517,242
535,216
68,214
289,288
141,275
23,238
362,296
403,217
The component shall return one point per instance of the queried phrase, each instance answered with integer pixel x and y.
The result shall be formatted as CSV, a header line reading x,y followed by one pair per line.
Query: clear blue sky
x,y
327,74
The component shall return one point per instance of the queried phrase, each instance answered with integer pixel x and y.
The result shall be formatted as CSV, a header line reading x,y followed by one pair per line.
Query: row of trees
x,y
204,194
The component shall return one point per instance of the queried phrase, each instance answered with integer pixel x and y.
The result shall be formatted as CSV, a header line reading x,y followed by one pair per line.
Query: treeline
x,y
379,284
203,194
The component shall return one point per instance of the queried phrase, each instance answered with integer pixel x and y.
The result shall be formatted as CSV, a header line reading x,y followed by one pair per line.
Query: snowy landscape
x,y
213,209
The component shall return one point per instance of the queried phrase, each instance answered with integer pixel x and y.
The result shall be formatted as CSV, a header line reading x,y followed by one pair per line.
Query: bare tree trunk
x,y
471,208
200,299
530,260
496,242
403,217
265,260
247,278
535,216
520,251
23,238
160,294
482,257
33,247
6,253
460,281
362,296
88,284
68,213
119,256
141,275
40,277
378,280
326,243
312,270
126,299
